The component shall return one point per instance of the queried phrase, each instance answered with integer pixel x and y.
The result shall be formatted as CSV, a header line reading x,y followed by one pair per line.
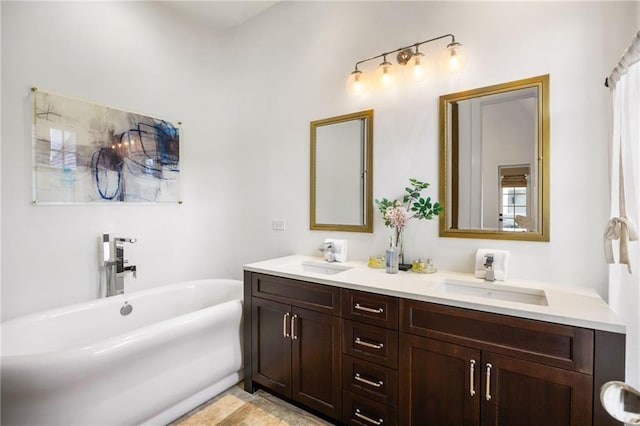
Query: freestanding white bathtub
x,y
90,364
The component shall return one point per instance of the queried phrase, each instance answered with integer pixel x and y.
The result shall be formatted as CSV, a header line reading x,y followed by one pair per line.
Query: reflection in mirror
x,y
341,173
621,401
494,177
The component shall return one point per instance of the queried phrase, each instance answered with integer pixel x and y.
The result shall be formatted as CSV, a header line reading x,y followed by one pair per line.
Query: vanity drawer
x,y
375,344
376,309
357,410
317,297
557,345
371,380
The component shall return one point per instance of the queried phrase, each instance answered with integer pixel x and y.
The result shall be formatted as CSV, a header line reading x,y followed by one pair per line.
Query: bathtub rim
x,y
153,330
117,300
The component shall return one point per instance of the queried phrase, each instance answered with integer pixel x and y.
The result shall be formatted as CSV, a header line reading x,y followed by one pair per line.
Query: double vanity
x,y
363,347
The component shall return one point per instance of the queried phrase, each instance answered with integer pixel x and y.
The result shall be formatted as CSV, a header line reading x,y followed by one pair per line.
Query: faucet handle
x,y
125,240
489,259
326,246
133,269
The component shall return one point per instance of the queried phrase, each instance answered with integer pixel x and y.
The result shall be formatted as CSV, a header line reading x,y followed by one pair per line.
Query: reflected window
x,y
63,152
514,200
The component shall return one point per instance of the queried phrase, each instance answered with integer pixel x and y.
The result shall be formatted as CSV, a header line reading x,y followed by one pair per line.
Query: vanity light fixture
x,y
409,56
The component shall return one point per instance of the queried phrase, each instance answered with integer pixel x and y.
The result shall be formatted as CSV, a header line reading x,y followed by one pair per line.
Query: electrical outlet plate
x,y
278,225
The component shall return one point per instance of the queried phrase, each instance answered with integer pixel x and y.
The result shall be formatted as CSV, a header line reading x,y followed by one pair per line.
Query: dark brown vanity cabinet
x,y
367,359
457,385
295,342
464,367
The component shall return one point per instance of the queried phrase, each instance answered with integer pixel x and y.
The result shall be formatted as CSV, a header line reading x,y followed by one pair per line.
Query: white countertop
x,y
579,307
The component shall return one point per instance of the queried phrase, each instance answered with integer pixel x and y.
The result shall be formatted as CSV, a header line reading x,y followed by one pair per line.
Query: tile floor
x,y
237,407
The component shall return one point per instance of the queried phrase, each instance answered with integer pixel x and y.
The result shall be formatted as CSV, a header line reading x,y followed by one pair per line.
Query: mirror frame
x,y
368,174
543,178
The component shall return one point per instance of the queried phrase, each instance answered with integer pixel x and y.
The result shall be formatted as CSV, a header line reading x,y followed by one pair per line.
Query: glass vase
x,y
399,243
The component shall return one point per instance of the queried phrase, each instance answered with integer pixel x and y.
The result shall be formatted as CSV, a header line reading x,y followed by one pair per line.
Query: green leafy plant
x,y
411,205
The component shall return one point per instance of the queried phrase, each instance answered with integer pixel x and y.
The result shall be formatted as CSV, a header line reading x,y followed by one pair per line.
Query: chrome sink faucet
x,y
488,265
329,250
114,263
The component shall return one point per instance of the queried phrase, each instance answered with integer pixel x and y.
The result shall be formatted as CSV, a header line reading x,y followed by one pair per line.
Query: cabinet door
x,y
523,393
316,361
271,345
439,383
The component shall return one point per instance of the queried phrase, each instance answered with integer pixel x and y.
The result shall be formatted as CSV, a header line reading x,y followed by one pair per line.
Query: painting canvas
x,y
89,153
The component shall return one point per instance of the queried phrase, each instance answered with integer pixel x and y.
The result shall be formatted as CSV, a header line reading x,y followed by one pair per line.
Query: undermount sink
x,y
324,268
530,296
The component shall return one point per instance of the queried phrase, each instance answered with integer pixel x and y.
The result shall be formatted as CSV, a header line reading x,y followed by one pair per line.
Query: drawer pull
x,y
359,415
364,308
472,373
359,378
369,345
285,321
488,390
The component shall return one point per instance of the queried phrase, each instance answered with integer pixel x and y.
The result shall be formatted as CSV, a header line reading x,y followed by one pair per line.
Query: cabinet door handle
x,y
369,345
359,415
366,309
359,378
472,372
488,390
285,322
294,335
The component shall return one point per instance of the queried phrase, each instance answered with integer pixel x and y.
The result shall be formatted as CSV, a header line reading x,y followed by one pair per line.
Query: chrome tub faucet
x,y
114,263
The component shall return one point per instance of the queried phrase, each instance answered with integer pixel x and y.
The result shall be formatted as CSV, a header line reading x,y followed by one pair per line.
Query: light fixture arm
x,y
407,48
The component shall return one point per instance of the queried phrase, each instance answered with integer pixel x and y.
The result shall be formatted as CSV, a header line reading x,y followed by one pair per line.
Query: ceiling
x,y
217,15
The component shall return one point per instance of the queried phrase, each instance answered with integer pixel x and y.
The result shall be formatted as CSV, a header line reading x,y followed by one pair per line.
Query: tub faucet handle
x,y
125,240
132,269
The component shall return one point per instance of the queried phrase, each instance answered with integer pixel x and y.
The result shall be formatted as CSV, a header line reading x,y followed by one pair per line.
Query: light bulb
x,y
385,74
455,58
356,83
417,66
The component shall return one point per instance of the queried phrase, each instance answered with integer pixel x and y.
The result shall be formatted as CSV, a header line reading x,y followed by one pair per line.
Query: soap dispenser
x,y
391,258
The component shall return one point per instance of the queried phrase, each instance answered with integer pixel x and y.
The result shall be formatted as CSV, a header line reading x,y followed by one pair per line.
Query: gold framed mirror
x,y
341,173
494,161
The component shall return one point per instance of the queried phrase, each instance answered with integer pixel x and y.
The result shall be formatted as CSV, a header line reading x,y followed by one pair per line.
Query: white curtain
x,y
624,280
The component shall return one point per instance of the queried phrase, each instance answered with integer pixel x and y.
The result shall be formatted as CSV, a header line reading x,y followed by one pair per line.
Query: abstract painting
x,y
89,153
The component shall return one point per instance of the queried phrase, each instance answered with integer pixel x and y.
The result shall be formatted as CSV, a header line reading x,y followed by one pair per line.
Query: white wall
x,y
134,56
309,48
246,99
0,167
